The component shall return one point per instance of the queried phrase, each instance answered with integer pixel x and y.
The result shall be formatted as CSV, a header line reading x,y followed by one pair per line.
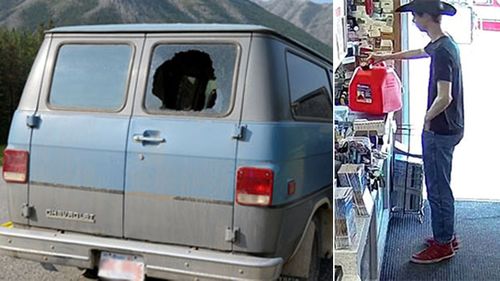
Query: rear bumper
x,y
161,261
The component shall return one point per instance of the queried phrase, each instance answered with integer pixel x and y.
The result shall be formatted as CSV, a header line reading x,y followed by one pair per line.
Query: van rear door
x,y
182,143
77,161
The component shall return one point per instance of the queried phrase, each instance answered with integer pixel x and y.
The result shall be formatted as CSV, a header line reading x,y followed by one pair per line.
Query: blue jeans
x,y
437,152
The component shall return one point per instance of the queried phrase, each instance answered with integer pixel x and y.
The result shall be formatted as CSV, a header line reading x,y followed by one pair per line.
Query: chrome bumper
x,y
161,261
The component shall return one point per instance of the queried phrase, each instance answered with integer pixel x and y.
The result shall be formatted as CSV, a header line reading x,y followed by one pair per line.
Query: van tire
x,y
91,274
305,264
315,267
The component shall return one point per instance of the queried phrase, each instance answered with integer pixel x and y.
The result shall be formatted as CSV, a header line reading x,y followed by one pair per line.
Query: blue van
x,y
184,152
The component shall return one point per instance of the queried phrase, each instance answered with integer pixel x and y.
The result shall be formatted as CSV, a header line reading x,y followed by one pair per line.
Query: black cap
x,y
428,6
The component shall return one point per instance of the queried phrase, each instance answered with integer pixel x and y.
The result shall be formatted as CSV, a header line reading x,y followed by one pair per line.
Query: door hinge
x,y
232,234
33,121
239,132
27,211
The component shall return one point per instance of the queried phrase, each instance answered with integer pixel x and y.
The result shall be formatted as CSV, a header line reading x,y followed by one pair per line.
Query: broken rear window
x,y
191,78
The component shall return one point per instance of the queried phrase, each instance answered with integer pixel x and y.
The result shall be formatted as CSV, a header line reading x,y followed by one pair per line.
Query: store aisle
x,y
478,258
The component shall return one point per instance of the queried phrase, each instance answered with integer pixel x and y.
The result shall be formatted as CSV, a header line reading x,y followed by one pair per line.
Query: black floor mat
x,y
478,228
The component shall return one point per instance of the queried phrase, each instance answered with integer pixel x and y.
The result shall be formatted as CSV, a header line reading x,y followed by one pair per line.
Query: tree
x,y
17,53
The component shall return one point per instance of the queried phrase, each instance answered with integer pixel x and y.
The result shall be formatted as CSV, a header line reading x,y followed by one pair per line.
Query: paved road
x,y
20,270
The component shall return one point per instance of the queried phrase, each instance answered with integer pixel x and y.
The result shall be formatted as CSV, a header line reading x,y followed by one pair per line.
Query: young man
x,y
443,124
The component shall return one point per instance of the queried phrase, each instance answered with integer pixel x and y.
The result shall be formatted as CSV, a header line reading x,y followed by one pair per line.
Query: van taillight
x,y
15,166
254,186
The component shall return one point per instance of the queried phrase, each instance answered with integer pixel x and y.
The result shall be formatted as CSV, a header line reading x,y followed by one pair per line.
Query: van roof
x,y
167,27
179,27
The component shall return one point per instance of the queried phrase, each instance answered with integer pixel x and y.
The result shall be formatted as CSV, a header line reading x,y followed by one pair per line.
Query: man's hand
x,y
441,102
427,123
376,58
427,118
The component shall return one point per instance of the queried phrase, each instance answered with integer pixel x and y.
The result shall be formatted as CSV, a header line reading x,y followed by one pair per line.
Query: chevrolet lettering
x,y
70,215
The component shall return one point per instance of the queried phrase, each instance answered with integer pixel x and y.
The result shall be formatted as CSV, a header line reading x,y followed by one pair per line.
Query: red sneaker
x,y
433,254
455,243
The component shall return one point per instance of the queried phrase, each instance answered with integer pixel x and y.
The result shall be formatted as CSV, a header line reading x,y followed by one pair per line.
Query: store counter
x,y
363,260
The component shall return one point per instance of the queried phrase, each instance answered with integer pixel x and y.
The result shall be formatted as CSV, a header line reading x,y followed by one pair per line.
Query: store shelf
x,y
382,238
348,60
350,259
364,259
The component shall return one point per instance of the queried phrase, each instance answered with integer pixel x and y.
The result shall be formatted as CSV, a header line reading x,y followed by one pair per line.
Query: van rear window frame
x,y
119,109
180,113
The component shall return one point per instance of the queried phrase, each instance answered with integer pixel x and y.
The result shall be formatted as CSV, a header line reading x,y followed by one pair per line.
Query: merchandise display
x,y
364,129
355,150
408,178
354,176
372,24
408,172
371,28
363,152
363,126
342,78
341,113
345,227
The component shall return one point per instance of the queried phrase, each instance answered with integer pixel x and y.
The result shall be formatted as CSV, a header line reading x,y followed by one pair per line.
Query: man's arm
x,y
443,73
442,101
405,55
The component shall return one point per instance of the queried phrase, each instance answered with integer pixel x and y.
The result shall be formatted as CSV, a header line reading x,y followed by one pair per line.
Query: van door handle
x,y
143,138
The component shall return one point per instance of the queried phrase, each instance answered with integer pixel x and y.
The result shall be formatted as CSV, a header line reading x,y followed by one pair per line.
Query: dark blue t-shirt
x,y
446,66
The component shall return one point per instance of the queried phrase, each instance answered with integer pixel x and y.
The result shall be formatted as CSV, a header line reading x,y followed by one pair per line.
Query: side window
x,y
191,79
331,83
309,89
91,77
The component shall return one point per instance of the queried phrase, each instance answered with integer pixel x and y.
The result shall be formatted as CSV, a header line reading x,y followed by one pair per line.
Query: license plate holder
x,y
115,266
